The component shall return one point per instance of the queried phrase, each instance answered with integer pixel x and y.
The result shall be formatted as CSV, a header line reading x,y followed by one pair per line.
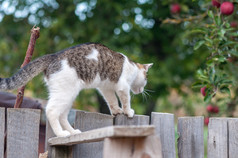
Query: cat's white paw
x,y
116,111
129,112
63,134
76,131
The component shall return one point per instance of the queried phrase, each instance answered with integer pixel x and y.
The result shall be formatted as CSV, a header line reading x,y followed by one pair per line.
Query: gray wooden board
x,y
87,121
105,132
217,142
190,141
22,133
136,120
164,129
233,138
2,130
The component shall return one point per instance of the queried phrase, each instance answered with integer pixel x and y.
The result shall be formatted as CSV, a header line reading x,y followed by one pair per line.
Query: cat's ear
x,y
147,66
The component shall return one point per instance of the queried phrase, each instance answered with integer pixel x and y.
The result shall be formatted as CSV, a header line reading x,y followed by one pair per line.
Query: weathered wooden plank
x,y
2,130
86,121
136,120
164,127
101,133
22,133
190,141
138,147
233,137
217,143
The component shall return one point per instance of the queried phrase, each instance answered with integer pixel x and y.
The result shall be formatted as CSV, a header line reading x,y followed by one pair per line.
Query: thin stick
x,y
35,34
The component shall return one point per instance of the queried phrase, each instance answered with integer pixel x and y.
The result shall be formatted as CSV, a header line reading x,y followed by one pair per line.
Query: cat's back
x,y
92,59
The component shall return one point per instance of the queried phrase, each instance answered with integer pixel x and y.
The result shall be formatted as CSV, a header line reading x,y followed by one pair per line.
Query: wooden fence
x,y
23,135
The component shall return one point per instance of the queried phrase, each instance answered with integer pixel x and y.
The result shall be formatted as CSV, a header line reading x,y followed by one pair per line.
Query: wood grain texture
x,y
101,133
233,137
2,130
190,141
140,147
136,120
217,143
86,121
22,133
164,129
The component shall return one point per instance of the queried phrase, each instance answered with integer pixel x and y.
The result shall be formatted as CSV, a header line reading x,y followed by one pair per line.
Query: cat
x,y
89,65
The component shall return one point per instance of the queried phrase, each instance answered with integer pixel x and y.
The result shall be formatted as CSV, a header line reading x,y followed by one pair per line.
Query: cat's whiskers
x,y
144,97
149,90
132,96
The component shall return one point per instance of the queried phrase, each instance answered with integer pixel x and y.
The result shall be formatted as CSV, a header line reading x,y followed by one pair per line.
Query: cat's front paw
x,y
129,112
76,131
116,111
63,134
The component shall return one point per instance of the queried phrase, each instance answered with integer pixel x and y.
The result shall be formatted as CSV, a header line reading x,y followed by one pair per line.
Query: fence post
x,y
150,144
87,121
217,142
136,120
164,126
2,130
233,137
191,139
22,133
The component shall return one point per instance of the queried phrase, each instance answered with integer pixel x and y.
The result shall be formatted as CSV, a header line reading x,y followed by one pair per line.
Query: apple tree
x,y
213,31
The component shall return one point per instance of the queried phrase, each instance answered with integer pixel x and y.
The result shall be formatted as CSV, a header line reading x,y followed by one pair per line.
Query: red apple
x,y
209,108
175,8
203,91
230,59
234,24
206,121
227,8
215,3
215,109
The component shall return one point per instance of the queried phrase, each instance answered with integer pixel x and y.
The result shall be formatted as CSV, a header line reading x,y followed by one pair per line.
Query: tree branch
x,y
35,34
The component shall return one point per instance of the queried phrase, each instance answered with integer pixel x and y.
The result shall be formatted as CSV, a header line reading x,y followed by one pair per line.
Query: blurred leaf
x,y
225,89
197,84
210,14
198,44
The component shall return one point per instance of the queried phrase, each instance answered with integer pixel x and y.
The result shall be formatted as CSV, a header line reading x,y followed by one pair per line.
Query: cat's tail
x,y
26,73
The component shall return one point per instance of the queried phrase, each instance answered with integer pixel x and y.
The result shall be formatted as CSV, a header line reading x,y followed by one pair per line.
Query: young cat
x,y
84,66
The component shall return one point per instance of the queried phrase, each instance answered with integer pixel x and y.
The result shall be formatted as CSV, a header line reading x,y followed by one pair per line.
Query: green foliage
x,y
195,50
218,36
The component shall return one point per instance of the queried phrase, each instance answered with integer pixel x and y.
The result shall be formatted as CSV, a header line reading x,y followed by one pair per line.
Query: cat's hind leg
x,y
66,125
53,113
112,102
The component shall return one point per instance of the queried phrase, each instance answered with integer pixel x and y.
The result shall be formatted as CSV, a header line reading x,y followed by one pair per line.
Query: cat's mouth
x,y
138,90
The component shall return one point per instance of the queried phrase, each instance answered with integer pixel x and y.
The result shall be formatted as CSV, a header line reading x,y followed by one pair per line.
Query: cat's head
x,y
141,78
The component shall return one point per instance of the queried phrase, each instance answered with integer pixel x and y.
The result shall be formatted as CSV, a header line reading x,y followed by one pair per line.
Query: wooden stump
x,y
139,147
127,141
